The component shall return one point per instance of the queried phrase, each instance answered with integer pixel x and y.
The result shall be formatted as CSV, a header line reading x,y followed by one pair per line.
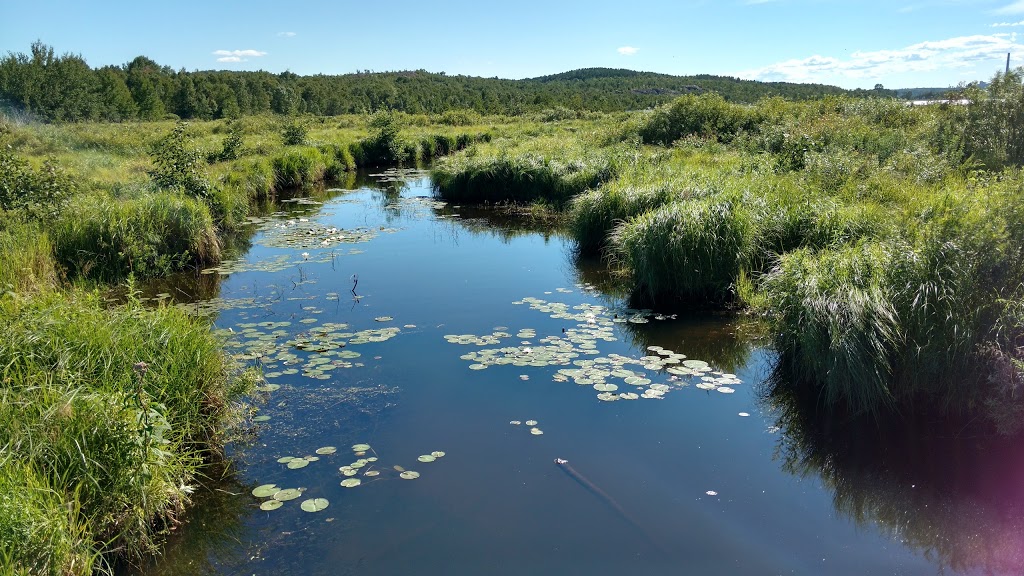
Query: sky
x,y
896,43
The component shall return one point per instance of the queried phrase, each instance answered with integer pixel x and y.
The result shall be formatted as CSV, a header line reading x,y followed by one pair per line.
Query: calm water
x,y
685,483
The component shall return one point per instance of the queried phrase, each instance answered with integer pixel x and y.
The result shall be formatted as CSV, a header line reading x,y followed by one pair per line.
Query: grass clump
x,y
108,238
688,250
299,167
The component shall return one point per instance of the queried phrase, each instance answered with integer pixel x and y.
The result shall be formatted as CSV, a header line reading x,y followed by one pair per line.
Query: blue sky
x,y
898,43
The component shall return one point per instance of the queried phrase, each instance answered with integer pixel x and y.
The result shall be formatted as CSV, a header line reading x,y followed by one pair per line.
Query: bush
x,y
40,194
179,164
294,134
707,115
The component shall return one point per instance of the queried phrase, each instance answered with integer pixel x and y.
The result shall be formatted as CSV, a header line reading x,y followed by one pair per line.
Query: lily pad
x,y
410,475
536,431
265,491
426,458
285,459
437,454
314,504
326,450
271,505
287,494
531,422
351,482
361,447
298,463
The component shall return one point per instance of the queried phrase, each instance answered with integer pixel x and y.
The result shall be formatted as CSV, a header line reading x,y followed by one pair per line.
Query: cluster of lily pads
x,y
576,349
277,496
366,465
323,346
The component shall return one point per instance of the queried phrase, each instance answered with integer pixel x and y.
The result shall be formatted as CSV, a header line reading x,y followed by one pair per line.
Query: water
x,y
694,486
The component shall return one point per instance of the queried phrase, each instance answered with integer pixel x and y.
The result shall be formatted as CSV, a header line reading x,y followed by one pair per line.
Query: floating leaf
x,y
409,475
515,422
711,493
531,422
399,468
725,390
285,459
271,505
314,504
351,482
426,458
265,491
372,473
361,447
437,454
263,418
298,463
536,431
326,450
287,494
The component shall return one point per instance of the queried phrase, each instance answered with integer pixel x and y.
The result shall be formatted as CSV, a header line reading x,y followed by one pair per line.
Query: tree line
x,y
65,88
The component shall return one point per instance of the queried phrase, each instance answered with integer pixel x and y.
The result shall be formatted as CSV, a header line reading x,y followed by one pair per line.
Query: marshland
x,y
777,328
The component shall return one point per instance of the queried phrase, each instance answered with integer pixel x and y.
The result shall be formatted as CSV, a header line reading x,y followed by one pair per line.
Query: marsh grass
x,y
548,169
27,262
103,449
108,238
686,250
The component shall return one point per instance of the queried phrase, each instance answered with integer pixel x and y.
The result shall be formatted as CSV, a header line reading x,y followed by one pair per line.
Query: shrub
x,y
707,115
40,194
294,134
178,164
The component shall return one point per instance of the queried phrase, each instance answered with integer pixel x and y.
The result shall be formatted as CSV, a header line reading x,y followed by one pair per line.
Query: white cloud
x,y
239,53
627,50
1006,24
286,34
230,59
1012,8
942,55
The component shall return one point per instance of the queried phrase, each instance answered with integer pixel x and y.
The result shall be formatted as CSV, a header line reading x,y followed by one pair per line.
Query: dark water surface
x,y
687,484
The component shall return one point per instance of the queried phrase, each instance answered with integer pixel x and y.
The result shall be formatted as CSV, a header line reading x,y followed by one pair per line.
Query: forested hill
x,y
65,88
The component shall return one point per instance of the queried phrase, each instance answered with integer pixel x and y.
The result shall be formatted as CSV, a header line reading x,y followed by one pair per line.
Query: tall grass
x,y
107,238
689,250
885,323
97,446
549,170
26,257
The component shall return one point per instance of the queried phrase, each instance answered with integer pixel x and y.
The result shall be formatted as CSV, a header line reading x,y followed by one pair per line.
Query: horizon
x,y
911,44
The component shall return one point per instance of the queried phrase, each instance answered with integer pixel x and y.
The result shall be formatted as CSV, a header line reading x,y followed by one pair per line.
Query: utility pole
x,y
1007,62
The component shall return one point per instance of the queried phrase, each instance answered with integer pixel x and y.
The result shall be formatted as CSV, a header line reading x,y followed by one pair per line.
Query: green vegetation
x,y
107,417
64,88
881,242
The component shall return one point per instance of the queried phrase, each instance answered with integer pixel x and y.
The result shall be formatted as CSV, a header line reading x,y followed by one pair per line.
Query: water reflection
x,y
955,498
